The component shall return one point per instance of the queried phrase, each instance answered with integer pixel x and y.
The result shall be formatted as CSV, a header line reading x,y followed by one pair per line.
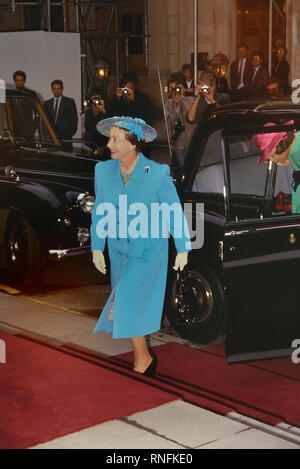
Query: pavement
x,y
177,425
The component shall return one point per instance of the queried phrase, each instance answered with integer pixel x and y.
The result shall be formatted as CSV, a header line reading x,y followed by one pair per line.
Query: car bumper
x,y
60,254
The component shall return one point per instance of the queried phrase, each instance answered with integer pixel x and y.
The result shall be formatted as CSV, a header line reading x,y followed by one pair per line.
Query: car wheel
x,y
195,306
25,260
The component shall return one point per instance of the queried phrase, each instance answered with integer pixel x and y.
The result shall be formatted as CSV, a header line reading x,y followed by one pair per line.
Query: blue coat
x,y
138,264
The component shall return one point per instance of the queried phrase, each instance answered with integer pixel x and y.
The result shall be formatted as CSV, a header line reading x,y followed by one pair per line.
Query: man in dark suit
x,y
26,109
260,76
19,78
240,75
63,113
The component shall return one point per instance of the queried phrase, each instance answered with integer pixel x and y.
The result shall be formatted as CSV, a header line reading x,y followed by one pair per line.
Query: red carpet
x,y
268,391
45,394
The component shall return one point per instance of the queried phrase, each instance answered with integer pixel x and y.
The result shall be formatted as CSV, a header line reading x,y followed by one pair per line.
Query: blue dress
x,y
138,263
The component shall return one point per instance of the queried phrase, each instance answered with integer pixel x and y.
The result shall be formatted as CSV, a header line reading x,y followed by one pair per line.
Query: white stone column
x,y
293,37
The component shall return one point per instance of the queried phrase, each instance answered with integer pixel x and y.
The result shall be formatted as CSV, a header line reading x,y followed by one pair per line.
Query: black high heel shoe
x,y
150,371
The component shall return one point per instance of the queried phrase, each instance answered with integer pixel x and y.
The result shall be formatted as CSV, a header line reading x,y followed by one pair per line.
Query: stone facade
x,y
171,26
293,36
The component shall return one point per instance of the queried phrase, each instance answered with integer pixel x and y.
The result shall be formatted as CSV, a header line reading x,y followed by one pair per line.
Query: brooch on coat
x,y
147,169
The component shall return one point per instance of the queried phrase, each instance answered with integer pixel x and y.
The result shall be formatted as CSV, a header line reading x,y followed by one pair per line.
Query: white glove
x,y
99,261
181,260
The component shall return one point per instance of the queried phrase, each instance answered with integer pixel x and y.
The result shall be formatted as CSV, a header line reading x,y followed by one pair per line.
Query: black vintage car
x,y
46,194
247,274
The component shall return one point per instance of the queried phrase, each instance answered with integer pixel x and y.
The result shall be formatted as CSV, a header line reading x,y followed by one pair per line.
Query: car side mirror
x,y
7,135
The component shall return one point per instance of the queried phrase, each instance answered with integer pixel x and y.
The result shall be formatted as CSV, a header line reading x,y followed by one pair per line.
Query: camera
x,y
90,102
177,90
205,89
125,91
178,128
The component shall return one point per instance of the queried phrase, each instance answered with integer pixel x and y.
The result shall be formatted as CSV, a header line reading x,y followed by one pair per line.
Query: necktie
x,y
55,110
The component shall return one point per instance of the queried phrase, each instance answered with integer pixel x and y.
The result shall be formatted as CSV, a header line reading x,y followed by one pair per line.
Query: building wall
x,y
171,26
44,57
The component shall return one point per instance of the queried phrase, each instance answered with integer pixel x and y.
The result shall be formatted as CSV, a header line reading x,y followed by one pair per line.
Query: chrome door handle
x,y
292,238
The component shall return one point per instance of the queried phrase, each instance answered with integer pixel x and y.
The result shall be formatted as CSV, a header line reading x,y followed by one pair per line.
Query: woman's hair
x,y
134,141
284,144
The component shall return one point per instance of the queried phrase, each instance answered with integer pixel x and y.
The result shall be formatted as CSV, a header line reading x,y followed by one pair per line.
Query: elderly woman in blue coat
x,y
135,210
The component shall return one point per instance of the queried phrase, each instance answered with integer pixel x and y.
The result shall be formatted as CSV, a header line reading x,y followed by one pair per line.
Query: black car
x,y
46,194
246,275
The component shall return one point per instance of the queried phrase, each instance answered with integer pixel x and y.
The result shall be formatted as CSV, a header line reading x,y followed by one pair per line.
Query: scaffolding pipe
x,y
77,12
146,34
195,41
117,49
49,15
270,35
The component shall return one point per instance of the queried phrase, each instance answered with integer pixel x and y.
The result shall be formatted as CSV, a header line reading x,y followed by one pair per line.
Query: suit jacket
x,y
67,117
282,70
258,86
235,78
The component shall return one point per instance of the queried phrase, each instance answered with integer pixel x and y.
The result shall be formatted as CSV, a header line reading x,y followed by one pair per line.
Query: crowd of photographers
x,y
187,104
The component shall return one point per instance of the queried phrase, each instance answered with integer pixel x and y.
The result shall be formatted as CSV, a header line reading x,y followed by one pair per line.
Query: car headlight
x,y
83,235
86,202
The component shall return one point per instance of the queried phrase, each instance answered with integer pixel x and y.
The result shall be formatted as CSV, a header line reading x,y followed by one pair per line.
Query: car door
x,y
261,257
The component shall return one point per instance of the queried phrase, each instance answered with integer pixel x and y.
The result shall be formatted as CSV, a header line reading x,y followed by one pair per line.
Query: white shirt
x,y
255,70
242,63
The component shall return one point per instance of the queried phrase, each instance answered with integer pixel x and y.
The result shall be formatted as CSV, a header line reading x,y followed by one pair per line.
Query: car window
x,y
210,175
29,122
247,179
246,176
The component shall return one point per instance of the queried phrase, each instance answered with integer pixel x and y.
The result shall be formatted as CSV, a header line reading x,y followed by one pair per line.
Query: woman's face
x,y
120,147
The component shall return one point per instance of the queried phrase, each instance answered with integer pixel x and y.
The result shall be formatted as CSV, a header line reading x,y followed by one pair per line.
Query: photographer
x,y
96,111
206,98
176,108
129,101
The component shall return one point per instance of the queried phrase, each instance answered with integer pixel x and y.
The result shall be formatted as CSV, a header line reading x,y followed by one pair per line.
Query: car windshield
x,y
27,121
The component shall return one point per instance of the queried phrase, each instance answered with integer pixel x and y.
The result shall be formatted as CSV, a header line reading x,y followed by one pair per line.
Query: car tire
x,y
204,300
26,263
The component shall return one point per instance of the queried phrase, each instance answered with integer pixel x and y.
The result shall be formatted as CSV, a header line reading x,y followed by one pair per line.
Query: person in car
x,y
283,148
138,263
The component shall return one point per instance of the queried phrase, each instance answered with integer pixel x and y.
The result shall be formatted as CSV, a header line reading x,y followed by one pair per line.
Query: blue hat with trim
x,y
133,125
